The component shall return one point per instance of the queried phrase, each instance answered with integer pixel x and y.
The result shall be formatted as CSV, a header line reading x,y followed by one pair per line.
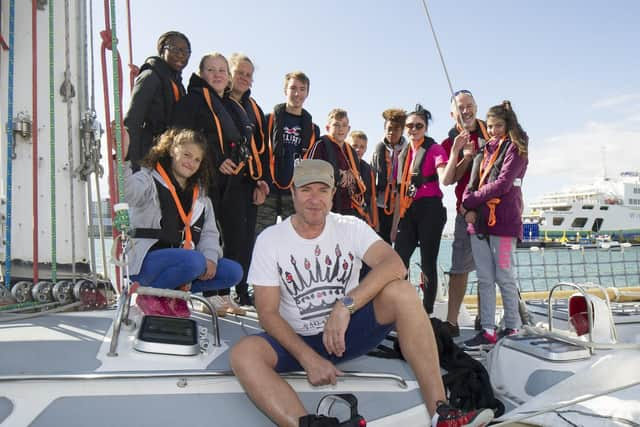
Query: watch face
x,y
347,301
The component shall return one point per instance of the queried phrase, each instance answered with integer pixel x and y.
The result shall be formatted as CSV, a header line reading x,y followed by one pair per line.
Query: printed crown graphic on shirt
x,y
312,300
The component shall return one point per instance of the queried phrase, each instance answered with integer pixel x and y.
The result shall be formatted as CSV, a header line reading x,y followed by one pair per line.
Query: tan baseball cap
x,y
313,170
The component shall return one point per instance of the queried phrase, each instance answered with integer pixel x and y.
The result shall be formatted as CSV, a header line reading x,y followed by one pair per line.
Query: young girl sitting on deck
x,y
493,204
166,195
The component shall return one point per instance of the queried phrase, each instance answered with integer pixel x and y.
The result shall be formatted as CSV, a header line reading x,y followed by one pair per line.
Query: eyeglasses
x,y
461,91
178,50
417,126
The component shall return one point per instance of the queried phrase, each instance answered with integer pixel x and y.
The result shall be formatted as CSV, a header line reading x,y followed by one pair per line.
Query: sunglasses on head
x,y
461,91
417,126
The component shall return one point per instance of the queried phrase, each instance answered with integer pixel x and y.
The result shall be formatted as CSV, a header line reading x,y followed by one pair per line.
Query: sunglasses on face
x,y
417,126
178,50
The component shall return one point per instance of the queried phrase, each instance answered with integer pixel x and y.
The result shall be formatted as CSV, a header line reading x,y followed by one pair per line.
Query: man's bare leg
x,y
253,361
457,291
398,302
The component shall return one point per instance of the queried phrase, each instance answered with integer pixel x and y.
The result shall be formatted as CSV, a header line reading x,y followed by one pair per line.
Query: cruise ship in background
x,y
606,209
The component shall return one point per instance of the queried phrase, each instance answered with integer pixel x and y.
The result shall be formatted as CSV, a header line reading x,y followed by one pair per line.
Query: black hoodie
x,y
151,106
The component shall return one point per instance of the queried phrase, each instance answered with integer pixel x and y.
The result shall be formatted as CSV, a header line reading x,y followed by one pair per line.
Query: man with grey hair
x,y
465,137
315,317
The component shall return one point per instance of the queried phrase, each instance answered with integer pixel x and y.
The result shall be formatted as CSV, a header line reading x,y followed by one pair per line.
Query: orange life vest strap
x,y
207,98
390,188
405,199
253,161
176,91
186,218
492,211
256,111
485,168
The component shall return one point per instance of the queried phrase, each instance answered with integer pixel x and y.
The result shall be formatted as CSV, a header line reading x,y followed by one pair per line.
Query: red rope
x,y
34,134
133,69
113,183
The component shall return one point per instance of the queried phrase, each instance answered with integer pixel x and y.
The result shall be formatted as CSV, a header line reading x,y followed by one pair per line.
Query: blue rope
x,y
10,142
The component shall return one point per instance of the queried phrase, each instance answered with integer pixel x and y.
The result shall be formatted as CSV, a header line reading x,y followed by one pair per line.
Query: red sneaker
x,y
178,307
451,417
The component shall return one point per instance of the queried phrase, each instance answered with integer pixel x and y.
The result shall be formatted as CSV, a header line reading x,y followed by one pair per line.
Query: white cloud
x,y
616,101
581,155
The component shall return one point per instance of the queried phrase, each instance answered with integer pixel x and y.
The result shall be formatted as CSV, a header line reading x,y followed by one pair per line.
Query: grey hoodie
x,y
144,207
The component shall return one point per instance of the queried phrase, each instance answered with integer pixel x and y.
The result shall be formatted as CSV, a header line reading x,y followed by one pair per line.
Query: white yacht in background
x,y
608,209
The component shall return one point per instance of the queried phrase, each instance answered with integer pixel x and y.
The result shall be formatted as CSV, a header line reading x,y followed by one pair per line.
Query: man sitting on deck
x,y
315,313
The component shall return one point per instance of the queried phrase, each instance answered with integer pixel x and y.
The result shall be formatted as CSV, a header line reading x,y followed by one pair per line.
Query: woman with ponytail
x,y
493,209
419,216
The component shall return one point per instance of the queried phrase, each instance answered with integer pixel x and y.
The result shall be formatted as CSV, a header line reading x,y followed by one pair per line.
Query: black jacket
x,y
151,106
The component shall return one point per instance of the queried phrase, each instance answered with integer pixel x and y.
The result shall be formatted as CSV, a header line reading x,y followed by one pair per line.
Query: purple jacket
x,y
503,183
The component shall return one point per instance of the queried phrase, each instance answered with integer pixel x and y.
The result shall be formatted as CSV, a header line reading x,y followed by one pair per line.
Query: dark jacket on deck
x,y
151,106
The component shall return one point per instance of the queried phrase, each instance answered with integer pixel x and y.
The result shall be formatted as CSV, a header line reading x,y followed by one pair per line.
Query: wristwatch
x,y
349,303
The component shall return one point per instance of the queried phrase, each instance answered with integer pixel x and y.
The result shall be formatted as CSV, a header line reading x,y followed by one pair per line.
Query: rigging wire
x,y
52,145
117,90
86,167
10,143
72,172
34,134
444,65
133,69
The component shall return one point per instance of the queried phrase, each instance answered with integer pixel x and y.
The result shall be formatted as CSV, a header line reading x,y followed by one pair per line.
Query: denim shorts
x,y
363,334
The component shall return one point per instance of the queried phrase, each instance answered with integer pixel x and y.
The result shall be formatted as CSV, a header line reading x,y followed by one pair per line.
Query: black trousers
x,y
384,225
237,218
422,226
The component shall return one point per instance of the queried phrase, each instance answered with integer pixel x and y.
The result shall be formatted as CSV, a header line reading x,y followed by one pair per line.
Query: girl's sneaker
x,y
507,332
446,416
219,304
483,339
232,306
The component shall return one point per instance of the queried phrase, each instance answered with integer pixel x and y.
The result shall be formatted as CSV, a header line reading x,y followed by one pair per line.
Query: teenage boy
x,y
290,134
369,211
332,148
385,164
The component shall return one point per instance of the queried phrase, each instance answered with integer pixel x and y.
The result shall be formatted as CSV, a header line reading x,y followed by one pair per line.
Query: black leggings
x,y
237,219
422,226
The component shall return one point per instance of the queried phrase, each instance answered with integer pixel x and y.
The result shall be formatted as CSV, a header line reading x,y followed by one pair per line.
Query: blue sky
x,y
570,68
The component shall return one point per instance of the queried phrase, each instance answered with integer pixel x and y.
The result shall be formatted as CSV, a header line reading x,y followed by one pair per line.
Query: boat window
x,y
587,206
557,220
561,208
604,208
579,222
597,225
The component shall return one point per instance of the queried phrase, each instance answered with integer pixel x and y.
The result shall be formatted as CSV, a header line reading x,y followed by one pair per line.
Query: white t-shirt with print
x,y
311,273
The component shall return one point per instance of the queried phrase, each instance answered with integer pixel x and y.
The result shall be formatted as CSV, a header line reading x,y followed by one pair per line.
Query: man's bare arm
x,y
386,266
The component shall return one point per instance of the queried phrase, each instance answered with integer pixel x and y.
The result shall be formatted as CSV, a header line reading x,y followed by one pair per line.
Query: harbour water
x,y
537,269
